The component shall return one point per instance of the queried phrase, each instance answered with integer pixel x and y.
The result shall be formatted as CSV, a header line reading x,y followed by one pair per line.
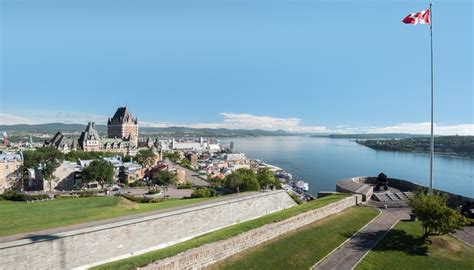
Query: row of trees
x,y
246,180
48,159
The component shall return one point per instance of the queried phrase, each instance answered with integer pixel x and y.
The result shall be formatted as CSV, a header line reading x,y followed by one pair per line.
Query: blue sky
x,y
296,65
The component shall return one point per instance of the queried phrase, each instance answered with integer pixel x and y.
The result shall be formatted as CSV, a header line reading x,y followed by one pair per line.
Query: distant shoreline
x,y
454,146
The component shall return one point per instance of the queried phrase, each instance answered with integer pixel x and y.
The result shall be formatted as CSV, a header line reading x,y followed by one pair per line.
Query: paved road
x,y
194,177
347,256
191,176
466,235
38,234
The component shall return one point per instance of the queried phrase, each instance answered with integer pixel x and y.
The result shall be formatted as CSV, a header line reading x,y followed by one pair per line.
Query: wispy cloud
x,y
51,117
8,119
246,121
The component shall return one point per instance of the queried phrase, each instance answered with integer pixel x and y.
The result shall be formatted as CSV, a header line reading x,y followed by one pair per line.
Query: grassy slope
x,y
225,233
404,248
20,217
303,248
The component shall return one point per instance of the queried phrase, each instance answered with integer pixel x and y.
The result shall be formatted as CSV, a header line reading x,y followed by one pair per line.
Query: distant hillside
x,y
52,128
451,145
47,128
372,136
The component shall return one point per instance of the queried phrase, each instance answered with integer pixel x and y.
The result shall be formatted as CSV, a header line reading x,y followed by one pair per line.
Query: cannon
x,y
382,181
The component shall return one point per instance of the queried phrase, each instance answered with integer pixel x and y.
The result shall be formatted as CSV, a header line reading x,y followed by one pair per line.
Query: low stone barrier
x,y
82,248
208,254
356,185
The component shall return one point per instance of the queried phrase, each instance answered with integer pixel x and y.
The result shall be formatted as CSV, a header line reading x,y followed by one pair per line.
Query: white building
x,y
235,157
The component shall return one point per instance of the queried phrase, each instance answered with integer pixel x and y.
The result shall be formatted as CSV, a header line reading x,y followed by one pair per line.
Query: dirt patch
x,y
127,204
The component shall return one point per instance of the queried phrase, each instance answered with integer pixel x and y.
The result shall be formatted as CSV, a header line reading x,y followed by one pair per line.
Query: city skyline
x,y
300,66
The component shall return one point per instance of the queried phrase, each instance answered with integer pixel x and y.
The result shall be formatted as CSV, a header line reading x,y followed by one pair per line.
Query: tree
x,y
173,156
266,178
46,159
203,193
164,178
99,170
243,179
146,157
435,215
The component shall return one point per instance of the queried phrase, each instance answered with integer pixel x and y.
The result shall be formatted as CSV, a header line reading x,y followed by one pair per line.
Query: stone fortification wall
x,y
203,256
353,185
104,243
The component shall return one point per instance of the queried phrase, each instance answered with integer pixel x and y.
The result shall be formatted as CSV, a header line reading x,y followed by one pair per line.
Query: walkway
x,y
466,235
349,254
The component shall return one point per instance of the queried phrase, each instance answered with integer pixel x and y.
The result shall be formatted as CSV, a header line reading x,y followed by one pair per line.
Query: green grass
x,y
405,248
21,217
147,258
305,247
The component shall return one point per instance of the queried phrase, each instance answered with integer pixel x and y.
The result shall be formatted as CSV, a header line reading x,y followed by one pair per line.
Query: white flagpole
x,y
432,90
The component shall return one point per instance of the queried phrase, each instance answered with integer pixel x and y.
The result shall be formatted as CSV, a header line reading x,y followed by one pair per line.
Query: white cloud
x,y
8,119
246,121
51,117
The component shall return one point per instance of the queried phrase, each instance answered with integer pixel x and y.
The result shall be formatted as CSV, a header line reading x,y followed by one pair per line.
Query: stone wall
x,y
104,243
349,185
205,255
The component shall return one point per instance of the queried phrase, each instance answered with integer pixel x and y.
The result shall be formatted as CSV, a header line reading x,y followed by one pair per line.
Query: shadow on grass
x,y
395,240
399,240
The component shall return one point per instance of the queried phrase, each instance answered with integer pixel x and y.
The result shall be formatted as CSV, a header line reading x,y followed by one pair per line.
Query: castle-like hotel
x,y
122,136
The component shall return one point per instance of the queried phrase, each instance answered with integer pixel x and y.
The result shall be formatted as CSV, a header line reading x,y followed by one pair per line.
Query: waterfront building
x,y
123,126
235,157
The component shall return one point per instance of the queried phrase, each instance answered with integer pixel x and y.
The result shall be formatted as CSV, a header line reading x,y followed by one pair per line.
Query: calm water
x,y
323,161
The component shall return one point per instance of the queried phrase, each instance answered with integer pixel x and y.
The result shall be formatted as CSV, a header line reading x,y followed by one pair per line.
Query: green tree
x,y
173,156
99,170
76,155
266,178
203,193
46,159
243,179
435,215
216,181
164,178
146,157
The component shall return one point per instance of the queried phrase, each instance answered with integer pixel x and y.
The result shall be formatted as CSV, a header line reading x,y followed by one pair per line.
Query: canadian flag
x,y
422,17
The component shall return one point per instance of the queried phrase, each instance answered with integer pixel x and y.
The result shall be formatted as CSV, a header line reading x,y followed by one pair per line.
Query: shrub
x,y
242,180
295,198
13,195
154,191
137,184
187,185
203,193
141,199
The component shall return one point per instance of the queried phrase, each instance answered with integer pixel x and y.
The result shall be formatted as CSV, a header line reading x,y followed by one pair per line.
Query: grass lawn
x,y
304,247
225,233
405,248
20,217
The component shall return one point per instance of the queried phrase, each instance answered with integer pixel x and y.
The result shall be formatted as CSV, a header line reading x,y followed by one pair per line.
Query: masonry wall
x,y
203,256
95,245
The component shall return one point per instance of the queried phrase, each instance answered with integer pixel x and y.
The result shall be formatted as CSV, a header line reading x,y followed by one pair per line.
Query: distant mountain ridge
x,y
51,128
